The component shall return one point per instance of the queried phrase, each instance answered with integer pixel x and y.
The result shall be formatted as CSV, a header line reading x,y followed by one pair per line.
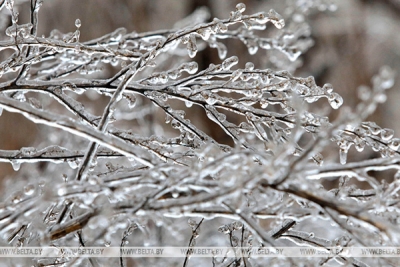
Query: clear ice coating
x,y
246,157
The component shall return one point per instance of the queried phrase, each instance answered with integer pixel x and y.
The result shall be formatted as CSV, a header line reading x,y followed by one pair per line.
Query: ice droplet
x,y
222,27
29,189
373,127
335,100
394,143
240,7
189,67
188,104
73,163
360,145
204,33
249,66
276,19
387,134
78,23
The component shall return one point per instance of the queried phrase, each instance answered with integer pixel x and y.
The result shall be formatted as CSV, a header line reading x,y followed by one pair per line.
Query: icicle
x,y
192,46
222,50
343,156
16,165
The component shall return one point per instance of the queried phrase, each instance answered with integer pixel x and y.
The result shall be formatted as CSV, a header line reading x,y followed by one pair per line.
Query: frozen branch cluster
x,y
105,173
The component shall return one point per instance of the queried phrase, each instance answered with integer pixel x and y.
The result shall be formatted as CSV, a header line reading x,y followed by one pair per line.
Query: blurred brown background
x,y
351,45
